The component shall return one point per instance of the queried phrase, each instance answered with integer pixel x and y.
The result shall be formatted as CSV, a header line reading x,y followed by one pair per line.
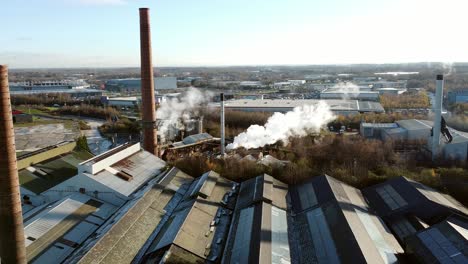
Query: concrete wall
x,y
94,167
48,154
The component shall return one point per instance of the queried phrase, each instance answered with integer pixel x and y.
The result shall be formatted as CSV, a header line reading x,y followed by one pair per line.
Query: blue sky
x,y
104,33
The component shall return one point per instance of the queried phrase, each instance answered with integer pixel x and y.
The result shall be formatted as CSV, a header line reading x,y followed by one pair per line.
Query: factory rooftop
x,y
138,220
60,227
445,242
259,229
399,196
285,105
195,230
332,223
150,214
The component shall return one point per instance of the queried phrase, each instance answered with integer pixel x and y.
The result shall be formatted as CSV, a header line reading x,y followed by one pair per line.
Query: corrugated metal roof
x,y
335,105
441,243
142,166
380,125
50,218
197,138
333,224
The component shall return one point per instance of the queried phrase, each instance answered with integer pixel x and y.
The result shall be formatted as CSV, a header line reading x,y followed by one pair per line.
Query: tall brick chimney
x,y
150,140
12,244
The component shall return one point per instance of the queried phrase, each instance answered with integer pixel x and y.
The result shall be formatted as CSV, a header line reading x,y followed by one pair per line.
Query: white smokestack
x,y
223,136
298,122
437,116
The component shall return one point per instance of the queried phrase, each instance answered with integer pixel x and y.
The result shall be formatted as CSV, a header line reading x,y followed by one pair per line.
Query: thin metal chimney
x,y
150,139
223,144
12,244
437,117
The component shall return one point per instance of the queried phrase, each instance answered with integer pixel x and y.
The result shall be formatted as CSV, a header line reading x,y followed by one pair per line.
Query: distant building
x,y
455,97
344,107
365,79
49,85
252,84
20,117
391,91
74,88
133,85
359,95
420,130
124,101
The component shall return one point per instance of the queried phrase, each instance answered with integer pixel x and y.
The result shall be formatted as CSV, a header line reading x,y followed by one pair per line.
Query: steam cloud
x,y
298,122
348,89
175,112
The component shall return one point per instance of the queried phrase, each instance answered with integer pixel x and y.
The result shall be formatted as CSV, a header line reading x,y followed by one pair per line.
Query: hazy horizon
x,y
105,33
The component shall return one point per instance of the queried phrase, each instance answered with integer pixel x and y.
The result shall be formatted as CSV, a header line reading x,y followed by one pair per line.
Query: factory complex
x,y
126,205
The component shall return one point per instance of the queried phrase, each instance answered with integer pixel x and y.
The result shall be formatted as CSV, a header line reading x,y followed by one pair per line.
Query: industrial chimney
x,y
150,140
12,244
222,125
437,116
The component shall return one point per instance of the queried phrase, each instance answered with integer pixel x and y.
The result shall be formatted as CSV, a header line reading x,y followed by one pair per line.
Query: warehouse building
x,y
418,130
135,223
445,242
399,197
342,107
259,228
332,223
133,85
431,226
196,230
362,94
457,97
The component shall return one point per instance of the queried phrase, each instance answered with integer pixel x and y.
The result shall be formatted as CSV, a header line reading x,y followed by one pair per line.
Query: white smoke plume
x,y
348,89
299,122
448,68
177,111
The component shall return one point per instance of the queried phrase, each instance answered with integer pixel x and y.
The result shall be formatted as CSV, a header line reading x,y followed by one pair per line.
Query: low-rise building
x,y
133,85
344,107
456,97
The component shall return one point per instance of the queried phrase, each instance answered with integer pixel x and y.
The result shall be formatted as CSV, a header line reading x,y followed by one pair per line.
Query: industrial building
x,y
418,130
391,91
431,226
359,95
124,207
457,97
133,85
130,101
49,85
342,107
445,242
252,84
195,230
74,88
331,222
259,228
